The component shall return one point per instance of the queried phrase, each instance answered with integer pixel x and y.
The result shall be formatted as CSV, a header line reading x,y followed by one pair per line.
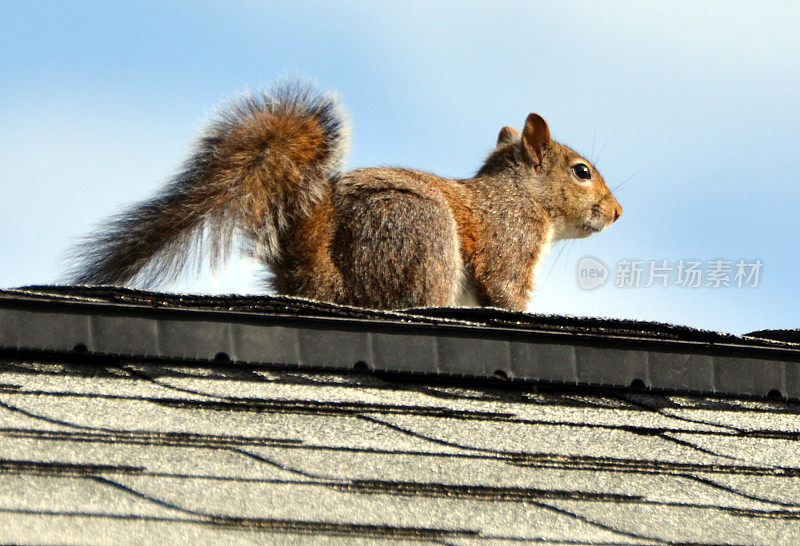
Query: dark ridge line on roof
x,y
344,529
787,335
690,445
241,479
9,466
486,390
472,492
495,392
294,406
205,523
533,460
311,407
574,398
572,462
154,438
105,515
612,464
593,523
660,411
497,494
565,392
50,420
764,434
101,515
521,494
280,527
476,317
432,440
711,483
490,389
476,492
144,376
290,373
490,316
130,491
501,390
423,489
370,529
88,365
738,512
299,525
226,443
510,494
721,402
283,305
280,466
639,431
482,492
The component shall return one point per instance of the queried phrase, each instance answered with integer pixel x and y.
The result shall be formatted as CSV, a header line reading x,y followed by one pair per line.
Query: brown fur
x,y
375,237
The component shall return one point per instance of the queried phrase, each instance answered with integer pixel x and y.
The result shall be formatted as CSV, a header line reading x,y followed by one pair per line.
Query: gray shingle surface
x,y
155,453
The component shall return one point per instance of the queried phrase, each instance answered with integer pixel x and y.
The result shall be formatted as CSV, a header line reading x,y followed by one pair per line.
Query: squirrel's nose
x,y
617,212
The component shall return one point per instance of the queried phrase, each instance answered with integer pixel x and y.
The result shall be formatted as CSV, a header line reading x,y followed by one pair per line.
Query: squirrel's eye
x,y
581,170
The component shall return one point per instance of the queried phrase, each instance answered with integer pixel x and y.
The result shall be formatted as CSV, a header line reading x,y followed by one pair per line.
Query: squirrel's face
x,y
569,186
580,200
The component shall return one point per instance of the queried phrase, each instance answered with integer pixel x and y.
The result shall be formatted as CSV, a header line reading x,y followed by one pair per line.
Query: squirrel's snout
x,y
617,211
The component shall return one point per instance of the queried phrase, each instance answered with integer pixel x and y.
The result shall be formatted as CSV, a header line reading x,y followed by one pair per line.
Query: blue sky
x,y
692,106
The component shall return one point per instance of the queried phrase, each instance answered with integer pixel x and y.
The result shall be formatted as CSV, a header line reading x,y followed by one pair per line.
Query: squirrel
x,y
269,170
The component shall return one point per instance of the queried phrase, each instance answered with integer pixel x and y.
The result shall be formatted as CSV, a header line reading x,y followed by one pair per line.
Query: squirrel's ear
x,y
507,134
535,137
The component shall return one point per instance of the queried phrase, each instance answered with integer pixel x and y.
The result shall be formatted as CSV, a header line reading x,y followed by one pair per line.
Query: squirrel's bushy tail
x,y
265,160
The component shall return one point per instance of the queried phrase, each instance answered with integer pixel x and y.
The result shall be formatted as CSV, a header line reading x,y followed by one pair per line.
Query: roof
x,y
101,449
478,343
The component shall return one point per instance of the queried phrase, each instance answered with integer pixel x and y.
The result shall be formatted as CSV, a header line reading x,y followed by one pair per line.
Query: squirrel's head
x,y
568,186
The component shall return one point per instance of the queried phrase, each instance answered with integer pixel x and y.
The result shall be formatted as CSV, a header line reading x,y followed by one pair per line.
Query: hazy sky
x,y
693,107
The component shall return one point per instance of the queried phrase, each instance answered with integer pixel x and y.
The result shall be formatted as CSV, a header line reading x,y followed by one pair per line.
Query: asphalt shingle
x,y
109,447
218,452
